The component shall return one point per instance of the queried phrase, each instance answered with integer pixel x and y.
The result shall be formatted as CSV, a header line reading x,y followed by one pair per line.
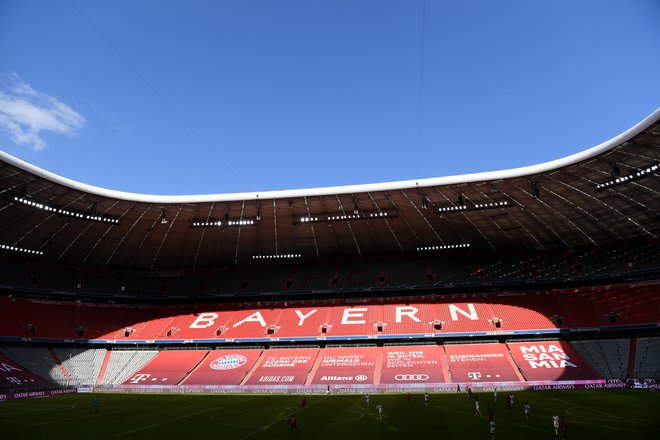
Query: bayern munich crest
x,y
228,362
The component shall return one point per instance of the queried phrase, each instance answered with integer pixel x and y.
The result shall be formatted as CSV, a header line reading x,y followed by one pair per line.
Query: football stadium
x,y
329,220
393,310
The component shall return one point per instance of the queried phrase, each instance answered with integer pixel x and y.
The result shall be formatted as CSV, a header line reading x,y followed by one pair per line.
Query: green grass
x,y
602,414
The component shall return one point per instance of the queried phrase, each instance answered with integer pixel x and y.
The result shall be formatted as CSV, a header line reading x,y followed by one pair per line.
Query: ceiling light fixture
x,y
66,212
629,178
343,217
7,247
443,247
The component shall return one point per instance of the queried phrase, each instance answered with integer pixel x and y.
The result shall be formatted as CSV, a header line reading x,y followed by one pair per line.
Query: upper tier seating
x,y
567,308
647,358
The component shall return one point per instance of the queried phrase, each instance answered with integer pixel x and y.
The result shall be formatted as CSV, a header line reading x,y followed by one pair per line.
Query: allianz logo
x,y
358,378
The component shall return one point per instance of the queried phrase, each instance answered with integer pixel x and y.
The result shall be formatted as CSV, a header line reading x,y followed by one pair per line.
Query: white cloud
x,y
25,113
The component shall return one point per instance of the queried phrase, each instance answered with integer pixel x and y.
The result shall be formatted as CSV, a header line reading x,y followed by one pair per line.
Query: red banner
x,y
412,364
480,363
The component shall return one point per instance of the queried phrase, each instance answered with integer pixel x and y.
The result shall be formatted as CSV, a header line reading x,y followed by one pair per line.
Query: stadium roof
x,y
603,196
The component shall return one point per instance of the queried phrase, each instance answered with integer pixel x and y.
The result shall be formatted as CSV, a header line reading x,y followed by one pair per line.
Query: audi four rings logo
x,y
361,378
404,377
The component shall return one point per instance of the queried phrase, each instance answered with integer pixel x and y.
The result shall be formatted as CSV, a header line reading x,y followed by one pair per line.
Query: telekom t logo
x,y
140,378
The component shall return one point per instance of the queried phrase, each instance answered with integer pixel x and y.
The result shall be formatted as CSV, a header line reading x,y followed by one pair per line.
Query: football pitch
x,y
596,414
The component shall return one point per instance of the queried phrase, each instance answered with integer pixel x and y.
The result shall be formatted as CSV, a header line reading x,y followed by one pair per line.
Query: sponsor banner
x,y
347,366
283,367
13,376
36,394
371,388
480,363
412,364
343,376
168,367
550,360
85,389
223,367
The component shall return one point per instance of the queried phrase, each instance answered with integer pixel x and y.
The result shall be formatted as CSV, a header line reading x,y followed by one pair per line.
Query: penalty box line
x,y
263,428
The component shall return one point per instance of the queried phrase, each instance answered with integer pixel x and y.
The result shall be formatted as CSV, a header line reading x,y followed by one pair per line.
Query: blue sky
x,y
194,97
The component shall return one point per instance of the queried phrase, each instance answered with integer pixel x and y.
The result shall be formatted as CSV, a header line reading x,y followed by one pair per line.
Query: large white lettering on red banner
x,y
305,316
255,317
470,314
7,368
408,311
350,314
204,320
540,356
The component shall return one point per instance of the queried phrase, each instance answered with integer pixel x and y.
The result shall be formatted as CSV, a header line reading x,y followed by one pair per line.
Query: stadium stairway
x,y
104,367
445,365
516,367
193,368
312,372
59,364
378,370
630,373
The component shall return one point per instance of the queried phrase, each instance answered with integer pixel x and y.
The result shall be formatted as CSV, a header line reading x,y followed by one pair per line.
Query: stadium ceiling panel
x,y
603,196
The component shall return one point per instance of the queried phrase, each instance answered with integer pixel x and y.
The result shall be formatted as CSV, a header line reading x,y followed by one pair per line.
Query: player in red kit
x,y
294,423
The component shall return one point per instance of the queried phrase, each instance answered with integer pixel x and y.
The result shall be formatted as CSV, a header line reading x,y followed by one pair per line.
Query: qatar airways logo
x,y
411,377
228,362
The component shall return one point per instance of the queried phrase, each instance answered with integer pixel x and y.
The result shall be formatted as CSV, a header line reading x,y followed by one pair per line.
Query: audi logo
x,y
409,377
361,378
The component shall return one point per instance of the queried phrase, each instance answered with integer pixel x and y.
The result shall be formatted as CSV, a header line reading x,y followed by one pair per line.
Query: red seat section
x,y
555,360
456,313
413,364
167,368
354,320
13,376
408,318
301,321
251,323
223,367
480,363
465,316
205,325
288,366
347,366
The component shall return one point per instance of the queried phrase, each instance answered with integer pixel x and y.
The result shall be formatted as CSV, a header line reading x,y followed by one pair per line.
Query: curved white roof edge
x,y
369,187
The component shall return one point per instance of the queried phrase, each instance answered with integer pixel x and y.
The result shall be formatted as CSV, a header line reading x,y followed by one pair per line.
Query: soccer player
x,y
294,423
526,409
458,388
512,400
477,407
366,399
508,401
379,408
563,427
491,425
495,394
491,414
408,397
426,399
469,393
303,404
97,404
555,423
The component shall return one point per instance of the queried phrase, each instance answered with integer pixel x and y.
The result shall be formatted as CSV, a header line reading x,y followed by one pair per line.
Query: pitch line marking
x,y
263,428
153,425
608,415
